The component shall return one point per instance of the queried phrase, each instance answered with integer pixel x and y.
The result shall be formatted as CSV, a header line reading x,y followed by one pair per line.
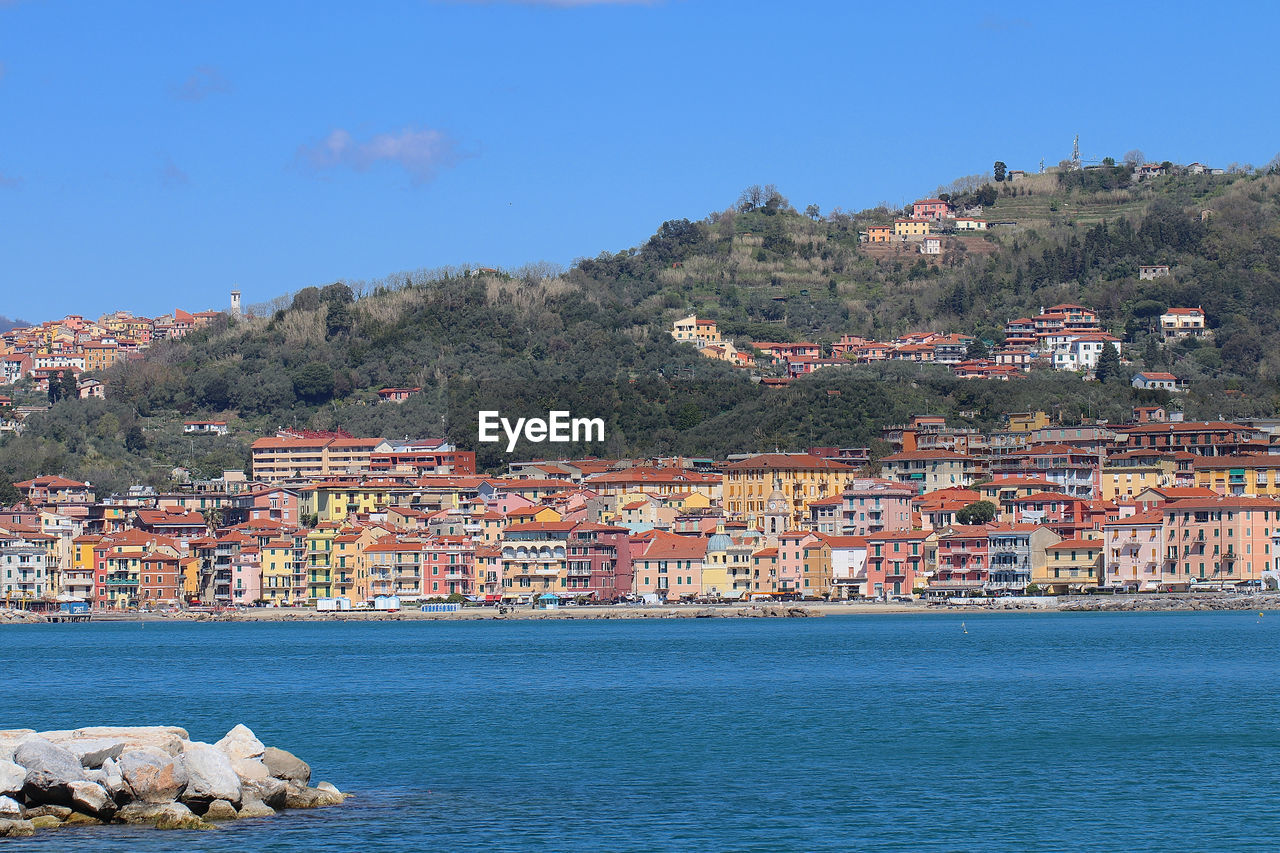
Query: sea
x,y
931,731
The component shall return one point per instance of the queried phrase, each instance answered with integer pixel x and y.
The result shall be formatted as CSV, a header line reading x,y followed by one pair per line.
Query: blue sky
x,y
153,154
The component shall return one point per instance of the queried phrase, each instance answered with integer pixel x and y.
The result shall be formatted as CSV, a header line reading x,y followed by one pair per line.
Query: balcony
x,y
122,581
457,576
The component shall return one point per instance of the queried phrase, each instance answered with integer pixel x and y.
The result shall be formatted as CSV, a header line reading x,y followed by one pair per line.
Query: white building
x,y
1082,352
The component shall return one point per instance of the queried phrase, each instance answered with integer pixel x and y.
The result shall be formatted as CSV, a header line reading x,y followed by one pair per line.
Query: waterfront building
x,y
899,562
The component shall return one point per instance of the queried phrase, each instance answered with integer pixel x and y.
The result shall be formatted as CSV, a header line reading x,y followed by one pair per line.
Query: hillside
x,y
6,324
594,339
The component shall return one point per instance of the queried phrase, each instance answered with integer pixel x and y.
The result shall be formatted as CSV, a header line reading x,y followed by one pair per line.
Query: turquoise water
x,y
1030,732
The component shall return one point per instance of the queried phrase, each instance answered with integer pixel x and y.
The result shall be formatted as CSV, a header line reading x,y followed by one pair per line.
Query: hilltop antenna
x,y
1075,153
1042,165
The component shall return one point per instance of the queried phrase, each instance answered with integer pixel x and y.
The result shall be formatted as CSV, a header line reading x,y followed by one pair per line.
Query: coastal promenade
x,y
1046,604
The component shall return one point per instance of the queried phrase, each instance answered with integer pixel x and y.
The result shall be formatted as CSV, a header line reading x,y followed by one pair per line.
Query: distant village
x,y
1062,337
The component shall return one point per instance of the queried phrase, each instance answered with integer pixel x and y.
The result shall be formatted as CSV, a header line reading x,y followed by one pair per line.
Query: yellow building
x,y
189,575
319,564
817,567
99,355
77,581
335,501
655,480
1252,476
793,480
1070,566
526,514
279,559
689,501
1027,421
908,228
693,330
350,563
1124,476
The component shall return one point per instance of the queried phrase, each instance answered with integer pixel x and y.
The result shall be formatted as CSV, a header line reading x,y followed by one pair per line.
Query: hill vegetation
x,y
593,339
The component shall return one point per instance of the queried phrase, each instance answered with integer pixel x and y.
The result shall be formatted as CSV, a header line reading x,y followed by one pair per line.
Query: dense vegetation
x,y
593,339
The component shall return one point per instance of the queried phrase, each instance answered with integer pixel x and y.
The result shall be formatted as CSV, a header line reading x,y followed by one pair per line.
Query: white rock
x,y
241,743
152,775
250,769
92,751
210,776
10,809
111,777
10,739
50,769
11,778
92,799
168,738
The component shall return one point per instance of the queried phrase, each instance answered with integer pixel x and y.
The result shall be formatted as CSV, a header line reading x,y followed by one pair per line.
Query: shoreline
x,y
1189,602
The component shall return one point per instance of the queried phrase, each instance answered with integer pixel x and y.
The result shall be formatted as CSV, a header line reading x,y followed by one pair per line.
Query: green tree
x,y
813,212
1108,366
314,382
9,494
338,319
978,512
977,349
1000,170
134,440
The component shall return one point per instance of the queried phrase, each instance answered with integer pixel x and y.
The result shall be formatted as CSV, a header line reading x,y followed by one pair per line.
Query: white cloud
x,y
421,153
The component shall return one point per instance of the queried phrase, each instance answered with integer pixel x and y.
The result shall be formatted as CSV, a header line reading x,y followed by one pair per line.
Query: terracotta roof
x,y
787,462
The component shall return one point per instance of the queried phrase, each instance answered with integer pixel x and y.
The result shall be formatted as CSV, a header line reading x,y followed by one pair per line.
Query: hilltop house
x,y
932,208
1182,323
1155,381
1150,272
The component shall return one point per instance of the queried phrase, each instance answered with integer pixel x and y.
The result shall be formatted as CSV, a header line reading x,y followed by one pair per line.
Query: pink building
x,y
1132,556
874,505
670,566
963,564
898,562
246,576
1220,541
274,505
791,560
931,208
448,566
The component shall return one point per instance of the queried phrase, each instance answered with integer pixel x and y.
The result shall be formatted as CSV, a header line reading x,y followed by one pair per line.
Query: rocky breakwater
x,y
1174,601
150,775
19,617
